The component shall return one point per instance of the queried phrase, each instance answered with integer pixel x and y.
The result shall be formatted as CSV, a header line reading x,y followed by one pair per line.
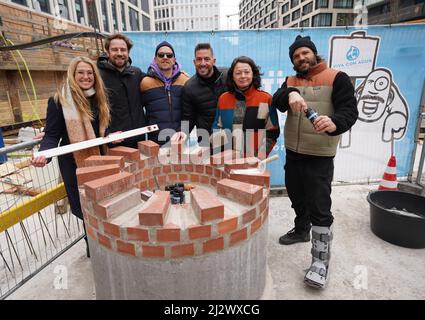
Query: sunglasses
x,y
165,55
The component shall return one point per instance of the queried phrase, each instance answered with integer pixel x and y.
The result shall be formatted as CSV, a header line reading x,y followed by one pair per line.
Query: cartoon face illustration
x,y
374,95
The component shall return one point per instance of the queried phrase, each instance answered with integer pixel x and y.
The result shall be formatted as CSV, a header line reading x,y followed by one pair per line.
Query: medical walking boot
x,y
318,274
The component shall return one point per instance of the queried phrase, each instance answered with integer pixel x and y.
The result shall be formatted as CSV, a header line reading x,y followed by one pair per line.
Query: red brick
x,y
240,192
227,155
241,163
172,177
147,173
206,205
182,250
256,225
131,167
213,182
249,215
265,214
156,210
177,168
183,177
126,247
128,153
217,173
137,234
104,187
260,178
138,176
111,229
118,204
162,180
169,233
86,174
156,171
238,236
104,160
152,162
199,168
148,148
263,204
91,233
197,232
213,245
141,164
143,185
227,225
177,147
153,251
188,167
151,183
209,170
104,241
205,180
93,222
194,178
166,169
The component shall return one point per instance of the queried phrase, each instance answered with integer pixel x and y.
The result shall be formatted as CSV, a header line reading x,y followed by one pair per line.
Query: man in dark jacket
x,y
161,91
311,141
122,84
201,92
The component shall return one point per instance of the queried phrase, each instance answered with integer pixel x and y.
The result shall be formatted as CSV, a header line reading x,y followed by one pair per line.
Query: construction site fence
x,y
36,225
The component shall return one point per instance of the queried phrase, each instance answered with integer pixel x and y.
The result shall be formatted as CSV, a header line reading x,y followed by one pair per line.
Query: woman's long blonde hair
x,y
80,101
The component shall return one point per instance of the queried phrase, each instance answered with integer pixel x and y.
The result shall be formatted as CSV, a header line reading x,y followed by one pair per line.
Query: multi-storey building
x,y
295,13
112,15
181,15
27,21
394,11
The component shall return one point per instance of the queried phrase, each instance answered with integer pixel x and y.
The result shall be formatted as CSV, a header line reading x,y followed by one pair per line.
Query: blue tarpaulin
x,y
387,62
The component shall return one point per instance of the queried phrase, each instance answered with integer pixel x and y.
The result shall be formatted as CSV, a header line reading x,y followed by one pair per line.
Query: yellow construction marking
x,y
13,216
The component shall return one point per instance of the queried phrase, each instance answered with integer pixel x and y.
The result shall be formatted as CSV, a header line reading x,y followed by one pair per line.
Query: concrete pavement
x,y
363,265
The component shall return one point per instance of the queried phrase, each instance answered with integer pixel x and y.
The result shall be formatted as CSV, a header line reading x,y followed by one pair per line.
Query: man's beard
x,y
304,72
119,66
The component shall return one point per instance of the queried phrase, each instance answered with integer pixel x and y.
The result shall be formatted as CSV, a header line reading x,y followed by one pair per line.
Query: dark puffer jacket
x,y
125,98
162,107
200,99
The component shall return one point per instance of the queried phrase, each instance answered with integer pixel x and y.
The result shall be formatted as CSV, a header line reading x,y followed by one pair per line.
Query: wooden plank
x,y
94,142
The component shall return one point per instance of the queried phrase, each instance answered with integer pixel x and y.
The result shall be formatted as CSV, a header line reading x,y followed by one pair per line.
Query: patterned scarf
x,y
78,129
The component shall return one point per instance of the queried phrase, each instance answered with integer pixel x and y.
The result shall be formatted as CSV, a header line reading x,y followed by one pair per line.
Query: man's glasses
x,y
165,55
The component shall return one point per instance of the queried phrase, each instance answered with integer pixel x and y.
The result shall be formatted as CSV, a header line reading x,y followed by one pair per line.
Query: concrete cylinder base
x,y
237,272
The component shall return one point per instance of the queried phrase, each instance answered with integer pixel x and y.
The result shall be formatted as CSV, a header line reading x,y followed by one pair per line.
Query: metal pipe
x,y
19,146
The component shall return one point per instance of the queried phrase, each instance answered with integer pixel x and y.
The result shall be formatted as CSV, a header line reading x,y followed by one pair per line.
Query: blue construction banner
x,y
386,64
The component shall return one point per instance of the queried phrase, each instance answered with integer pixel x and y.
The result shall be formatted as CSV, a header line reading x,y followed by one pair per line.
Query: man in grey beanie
x,y
311,145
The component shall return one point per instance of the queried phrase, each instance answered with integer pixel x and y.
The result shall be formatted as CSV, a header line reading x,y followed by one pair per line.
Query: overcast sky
x,y
229,7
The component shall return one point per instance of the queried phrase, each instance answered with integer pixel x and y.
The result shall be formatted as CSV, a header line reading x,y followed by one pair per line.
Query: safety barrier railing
x,y
36,225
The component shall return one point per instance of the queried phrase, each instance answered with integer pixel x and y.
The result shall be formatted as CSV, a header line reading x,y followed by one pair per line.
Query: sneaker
x,y
291,237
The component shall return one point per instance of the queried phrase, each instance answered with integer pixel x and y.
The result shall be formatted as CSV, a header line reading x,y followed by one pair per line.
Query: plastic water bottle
x,y
311,114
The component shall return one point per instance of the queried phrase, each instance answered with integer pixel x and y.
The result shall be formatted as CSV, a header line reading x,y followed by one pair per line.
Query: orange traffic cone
x,y
389,180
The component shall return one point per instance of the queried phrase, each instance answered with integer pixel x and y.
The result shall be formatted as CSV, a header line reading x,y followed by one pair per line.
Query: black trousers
x,y
308,183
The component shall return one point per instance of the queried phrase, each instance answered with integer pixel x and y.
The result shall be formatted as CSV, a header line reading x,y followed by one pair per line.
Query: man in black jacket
x,y
122,84
201,92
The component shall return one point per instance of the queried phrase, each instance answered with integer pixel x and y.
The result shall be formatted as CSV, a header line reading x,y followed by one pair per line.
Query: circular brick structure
x,y
213,246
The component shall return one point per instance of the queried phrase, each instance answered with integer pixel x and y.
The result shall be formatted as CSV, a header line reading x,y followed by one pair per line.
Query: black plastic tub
x,y
390,221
